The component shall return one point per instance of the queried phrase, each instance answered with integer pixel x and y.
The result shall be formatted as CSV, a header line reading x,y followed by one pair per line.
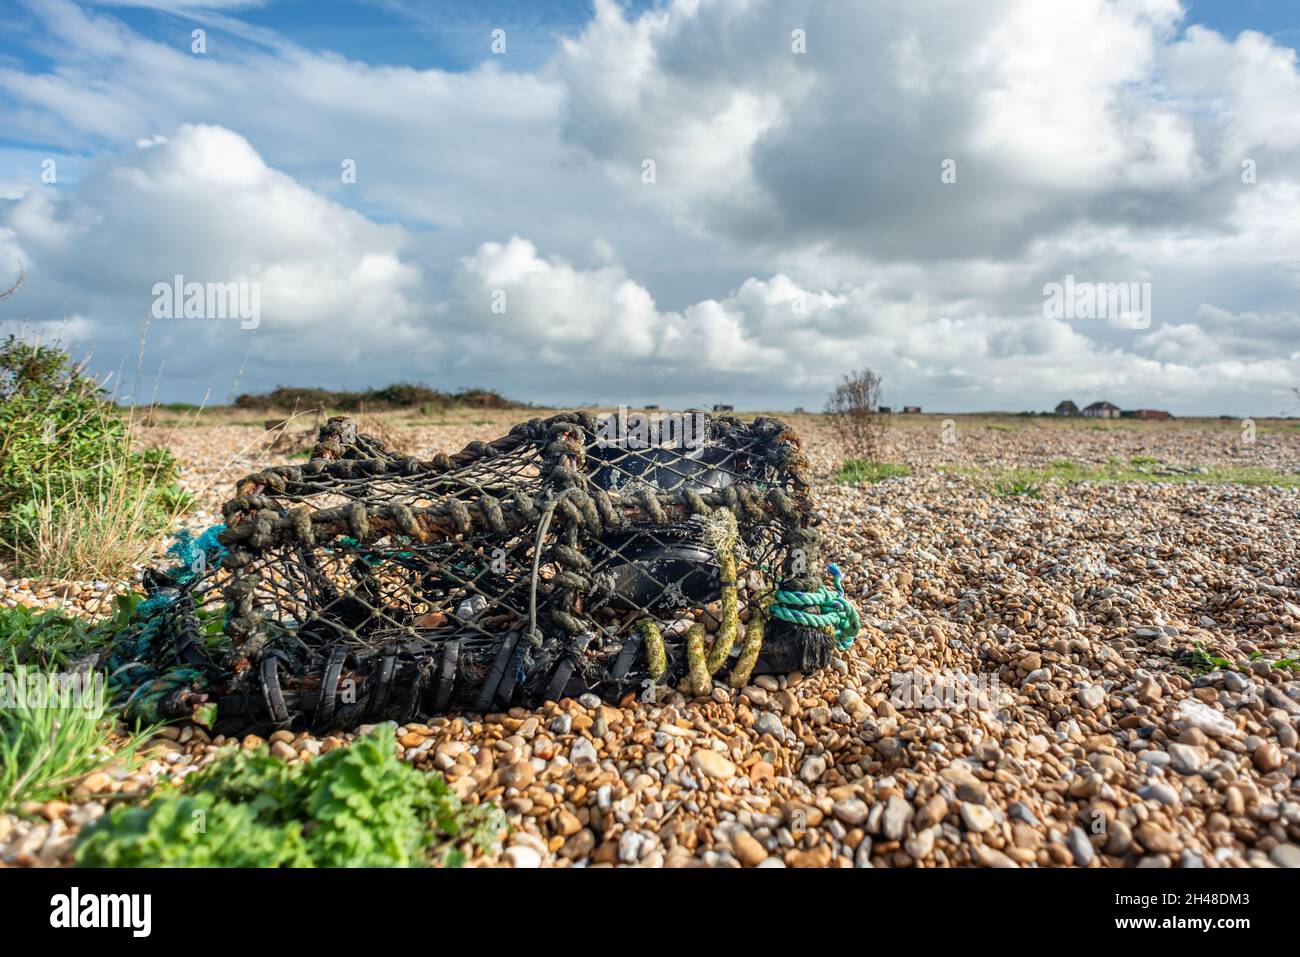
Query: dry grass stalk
x,y
103,526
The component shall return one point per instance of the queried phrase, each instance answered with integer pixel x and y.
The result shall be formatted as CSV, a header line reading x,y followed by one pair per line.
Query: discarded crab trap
x,y
566,557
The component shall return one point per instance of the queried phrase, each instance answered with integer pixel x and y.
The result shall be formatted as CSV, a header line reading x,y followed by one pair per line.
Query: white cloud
x,y
798,224
202,204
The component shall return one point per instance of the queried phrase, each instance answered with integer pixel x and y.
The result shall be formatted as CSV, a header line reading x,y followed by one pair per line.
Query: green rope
x,y
833,610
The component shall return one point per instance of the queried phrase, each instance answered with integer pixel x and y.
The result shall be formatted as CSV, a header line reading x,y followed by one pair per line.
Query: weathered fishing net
x,y
366,585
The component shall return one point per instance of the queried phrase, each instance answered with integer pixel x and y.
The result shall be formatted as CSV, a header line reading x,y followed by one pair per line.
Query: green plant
x,y
52,733
854,471
1199,661
1113,470
52,639
54,729
1026,489
35,637
190,831
78,498
101,523
359,806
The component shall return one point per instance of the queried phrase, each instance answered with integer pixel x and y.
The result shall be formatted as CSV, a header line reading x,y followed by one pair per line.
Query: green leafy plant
x,y
52,639
28,636
1199,661
1009,488
359,806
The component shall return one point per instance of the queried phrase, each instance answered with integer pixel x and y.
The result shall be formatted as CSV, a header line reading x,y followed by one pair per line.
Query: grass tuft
x,y
102,525
78,497
1004,489
1139,469
856,471
49,740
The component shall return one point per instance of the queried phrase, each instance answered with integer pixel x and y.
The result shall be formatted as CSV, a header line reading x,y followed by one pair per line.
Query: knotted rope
x,y
822,608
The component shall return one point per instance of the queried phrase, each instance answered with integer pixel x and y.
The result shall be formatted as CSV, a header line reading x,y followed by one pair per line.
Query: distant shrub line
x,y
396,396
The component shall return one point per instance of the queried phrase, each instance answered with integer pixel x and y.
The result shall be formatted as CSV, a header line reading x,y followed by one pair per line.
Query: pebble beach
x,y
1097,674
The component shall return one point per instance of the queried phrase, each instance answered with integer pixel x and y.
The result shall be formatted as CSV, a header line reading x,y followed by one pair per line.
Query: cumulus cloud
x,y
1217,335
1052,114
776,331
203,205
798,222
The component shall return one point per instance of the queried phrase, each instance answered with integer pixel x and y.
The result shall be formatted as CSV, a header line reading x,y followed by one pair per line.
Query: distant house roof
x,y
1102,405
1065,407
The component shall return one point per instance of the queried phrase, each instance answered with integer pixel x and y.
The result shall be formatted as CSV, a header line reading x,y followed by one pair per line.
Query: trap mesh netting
x,y
367,585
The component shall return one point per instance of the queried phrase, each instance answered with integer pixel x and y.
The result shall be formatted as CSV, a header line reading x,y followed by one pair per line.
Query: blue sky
x,y
1280,19
444,34
794,225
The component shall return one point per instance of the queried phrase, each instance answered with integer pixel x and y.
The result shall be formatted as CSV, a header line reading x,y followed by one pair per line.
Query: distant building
x,y
1102,410
724,408
1157,415
1067,408
911,410
885,410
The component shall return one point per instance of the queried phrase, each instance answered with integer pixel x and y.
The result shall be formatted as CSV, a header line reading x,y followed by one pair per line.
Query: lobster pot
x,y
574,554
